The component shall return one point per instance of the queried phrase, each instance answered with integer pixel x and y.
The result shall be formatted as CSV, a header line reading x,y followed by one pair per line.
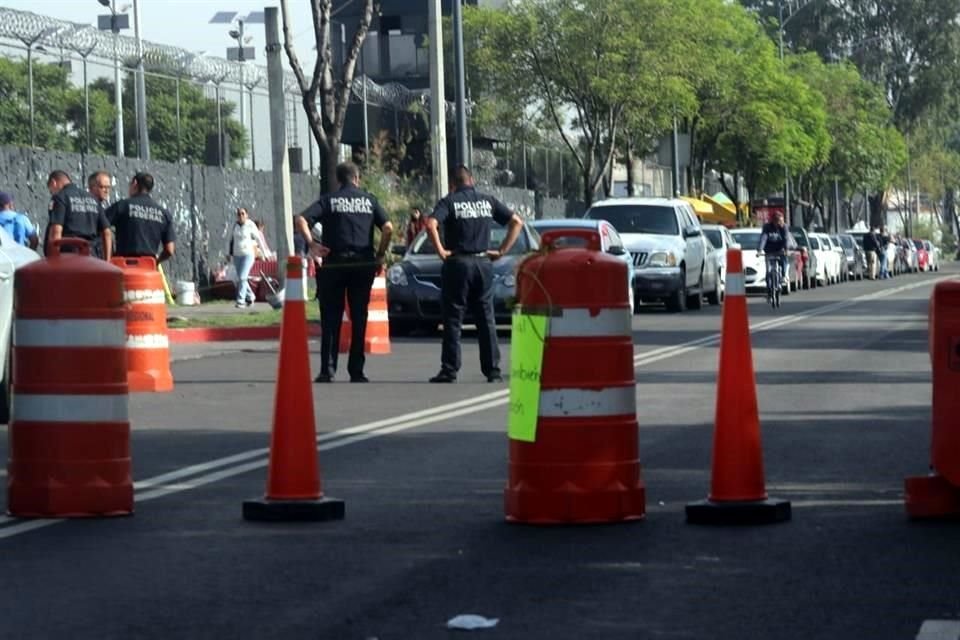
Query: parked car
x,y
856,260
823,254
610,241
721,240
755,267
413,283
835,258
841,256
668,248
933,255
13,256
896,261
810,266
923,258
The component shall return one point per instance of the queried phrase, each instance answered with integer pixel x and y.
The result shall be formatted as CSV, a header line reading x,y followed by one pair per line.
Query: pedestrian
x,y
144,228
244,244
415,224
466,277
871,247
350,263
17,224
884,242
98,186
74,213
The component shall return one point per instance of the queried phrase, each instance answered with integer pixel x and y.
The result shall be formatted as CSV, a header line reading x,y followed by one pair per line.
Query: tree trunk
x,y
631,181
877,203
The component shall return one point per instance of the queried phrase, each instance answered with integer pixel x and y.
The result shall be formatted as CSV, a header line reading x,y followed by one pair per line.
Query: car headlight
x,y
662,259
397,276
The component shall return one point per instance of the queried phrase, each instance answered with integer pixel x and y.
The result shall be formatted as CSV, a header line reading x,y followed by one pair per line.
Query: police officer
x,y
350,264
143,226
74,213
466,278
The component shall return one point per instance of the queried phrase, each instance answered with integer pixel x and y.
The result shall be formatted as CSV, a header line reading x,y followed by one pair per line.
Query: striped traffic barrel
x,y
69,426
148,346
583,466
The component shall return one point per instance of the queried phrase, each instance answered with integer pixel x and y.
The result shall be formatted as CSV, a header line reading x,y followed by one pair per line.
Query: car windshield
x,y
423,247
814,244
638,218
847,242
715,237
919,244
800,237
748,240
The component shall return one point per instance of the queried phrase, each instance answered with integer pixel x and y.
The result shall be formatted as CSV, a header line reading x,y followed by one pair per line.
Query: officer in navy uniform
x,y
143,226
74,213
466,278
350,264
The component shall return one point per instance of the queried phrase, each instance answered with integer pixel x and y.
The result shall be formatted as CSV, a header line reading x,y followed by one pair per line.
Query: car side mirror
x,y
398,250
617,251
691,232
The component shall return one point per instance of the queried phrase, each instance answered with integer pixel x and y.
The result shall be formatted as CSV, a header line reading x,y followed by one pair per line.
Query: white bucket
x,y
186,294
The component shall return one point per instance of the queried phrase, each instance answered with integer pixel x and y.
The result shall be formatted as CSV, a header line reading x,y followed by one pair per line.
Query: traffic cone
x,y
293,479
377,340
737,491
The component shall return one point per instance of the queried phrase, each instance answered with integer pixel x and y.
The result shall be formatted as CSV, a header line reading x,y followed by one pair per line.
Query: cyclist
x,y
776,239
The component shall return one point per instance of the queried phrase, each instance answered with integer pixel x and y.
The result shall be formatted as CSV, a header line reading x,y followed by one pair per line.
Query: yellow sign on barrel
x,y
526,364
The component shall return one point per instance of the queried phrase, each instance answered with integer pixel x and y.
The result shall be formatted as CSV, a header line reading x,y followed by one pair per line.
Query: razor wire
x,y
34,29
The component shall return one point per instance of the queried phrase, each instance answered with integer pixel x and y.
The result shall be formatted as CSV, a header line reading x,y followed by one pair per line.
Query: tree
x,y
52,95
326,93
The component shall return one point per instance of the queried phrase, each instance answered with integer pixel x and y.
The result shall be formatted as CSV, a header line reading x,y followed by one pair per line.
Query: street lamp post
x,y
143,137
30,46
240,53
114,23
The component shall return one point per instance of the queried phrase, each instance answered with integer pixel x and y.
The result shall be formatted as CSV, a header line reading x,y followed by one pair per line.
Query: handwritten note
x,y
526,364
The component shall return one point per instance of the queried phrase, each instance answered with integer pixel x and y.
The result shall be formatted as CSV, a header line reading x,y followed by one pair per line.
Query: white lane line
x,y
441,413
939,630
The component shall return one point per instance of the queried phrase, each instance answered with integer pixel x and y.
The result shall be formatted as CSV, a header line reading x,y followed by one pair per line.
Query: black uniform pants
x,y
353,278
466,282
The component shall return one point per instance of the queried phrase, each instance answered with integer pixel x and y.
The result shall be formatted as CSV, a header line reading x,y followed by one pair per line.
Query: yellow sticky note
x,y
526,364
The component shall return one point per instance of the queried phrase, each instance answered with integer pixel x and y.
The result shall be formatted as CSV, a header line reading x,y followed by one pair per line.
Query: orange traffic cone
x,y
377,338
293,479
737,491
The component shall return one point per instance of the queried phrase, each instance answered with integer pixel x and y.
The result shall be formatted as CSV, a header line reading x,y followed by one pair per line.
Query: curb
x,y
229,334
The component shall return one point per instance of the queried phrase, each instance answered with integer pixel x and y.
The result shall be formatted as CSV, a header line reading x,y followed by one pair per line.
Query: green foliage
x,y
59,114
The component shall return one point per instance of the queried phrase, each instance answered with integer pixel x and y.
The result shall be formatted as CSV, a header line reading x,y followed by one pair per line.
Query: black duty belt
x,y
467,254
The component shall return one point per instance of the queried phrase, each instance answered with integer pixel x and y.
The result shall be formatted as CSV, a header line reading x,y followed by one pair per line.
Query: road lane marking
x,y
156,488
939,630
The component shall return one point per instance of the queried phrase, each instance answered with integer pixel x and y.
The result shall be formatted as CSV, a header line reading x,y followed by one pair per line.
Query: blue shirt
x,y
17,225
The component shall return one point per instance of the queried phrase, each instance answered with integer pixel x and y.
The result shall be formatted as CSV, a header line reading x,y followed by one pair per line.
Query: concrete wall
x,y
201,199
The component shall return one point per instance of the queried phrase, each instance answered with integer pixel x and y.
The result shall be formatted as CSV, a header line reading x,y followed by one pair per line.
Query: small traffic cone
x,y
377,340
293,479
737,491
346,330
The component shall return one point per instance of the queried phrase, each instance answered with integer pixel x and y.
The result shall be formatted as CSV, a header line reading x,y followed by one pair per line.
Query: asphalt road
x,y
844,388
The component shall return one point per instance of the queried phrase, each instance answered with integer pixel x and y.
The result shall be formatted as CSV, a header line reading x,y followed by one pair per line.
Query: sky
x,y
186,24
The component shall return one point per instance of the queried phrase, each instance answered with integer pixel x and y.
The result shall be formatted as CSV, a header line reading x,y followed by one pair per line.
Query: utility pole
x,y
143,138
438,103
463,142
282,200
786,172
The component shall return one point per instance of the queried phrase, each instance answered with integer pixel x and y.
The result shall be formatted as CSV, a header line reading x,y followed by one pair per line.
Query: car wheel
x,y
677,303
695,301
714,298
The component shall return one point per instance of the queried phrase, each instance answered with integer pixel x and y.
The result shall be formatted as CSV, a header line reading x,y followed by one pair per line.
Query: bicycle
x,y
774,278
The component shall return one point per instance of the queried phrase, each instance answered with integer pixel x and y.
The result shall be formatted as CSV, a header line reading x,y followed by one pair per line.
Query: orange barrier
x,y
738,493
937,495
70,427
377,339
148,346
293,478
584,465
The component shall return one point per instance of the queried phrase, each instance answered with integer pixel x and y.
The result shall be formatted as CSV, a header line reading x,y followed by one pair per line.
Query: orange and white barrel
x,y
148,345
583,466
69,426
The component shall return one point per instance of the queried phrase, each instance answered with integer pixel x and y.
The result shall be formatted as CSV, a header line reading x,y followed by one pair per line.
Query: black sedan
x,y
413,283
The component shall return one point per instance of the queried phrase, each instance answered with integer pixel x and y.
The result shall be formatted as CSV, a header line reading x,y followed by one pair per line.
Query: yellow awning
x,y
713,212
